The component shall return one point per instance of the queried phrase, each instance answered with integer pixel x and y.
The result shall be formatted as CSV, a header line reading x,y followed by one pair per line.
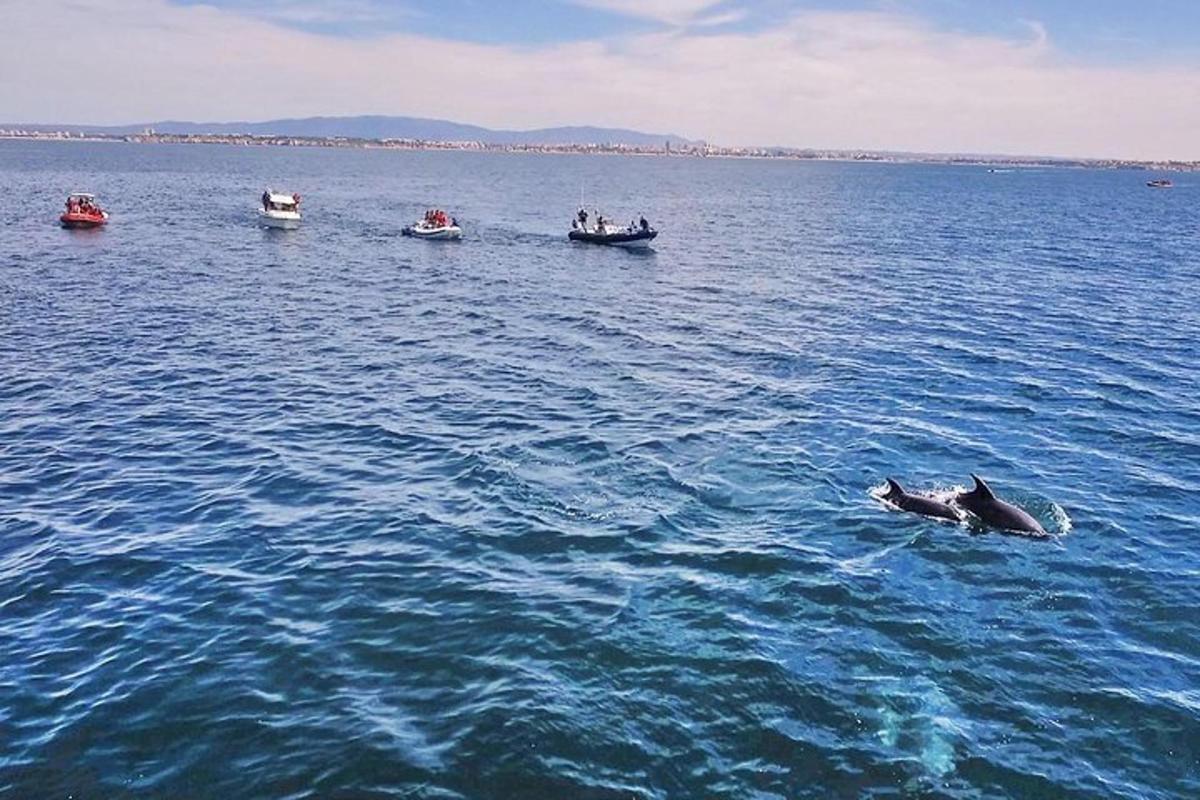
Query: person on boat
x,y
266,200
645,226
583,218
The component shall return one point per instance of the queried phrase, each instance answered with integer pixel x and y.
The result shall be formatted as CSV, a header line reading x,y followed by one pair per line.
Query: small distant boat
x,y
83,211
280,210
437,224
1159,183
633,237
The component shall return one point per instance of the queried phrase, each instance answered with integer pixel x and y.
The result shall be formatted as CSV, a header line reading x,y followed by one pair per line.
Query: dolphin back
x,y
991,510
918,504
981,489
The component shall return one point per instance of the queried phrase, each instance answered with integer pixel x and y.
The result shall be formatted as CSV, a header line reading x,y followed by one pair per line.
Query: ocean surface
x,y
336,514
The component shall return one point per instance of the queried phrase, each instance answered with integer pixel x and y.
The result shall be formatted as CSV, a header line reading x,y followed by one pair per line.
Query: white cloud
x,y
1041,36
676,12
855,80
719,18
317,12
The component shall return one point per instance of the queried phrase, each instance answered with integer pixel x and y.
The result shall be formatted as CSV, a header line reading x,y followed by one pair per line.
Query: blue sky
x,y
1038,77
1094,30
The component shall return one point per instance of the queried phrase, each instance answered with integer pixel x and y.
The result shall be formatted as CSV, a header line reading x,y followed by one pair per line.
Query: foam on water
x,y
918,719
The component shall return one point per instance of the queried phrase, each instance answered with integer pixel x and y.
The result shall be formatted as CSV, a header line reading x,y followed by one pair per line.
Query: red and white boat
x,y
83,212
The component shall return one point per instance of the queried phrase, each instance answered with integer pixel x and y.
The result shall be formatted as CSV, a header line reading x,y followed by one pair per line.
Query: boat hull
x,y
80,222
446,234
635,240
283,221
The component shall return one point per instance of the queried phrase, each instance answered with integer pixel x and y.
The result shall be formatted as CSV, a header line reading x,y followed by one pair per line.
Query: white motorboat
x,y
435,225
280,210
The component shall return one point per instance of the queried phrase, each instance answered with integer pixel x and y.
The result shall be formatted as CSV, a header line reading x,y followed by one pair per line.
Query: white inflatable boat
x,y
436,225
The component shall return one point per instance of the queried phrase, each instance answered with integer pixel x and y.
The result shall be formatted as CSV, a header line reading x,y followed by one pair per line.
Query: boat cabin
x,y
276,201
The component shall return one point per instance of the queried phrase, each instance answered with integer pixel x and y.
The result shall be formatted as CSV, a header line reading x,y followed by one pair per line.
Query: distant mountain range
x,y
379,127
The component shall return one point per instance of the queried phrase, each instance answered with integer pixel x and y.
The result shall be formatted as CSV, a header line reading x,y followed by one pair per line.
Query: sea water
x,y
334,513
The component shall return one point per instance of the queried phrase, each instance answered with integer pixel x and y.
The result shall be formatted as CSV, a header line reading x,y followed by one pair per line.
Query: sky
x,y
1100,78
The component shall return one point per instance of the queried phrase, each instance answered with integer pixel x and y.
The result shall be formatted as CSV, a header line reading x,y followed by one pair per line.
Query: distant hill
x,y
379,127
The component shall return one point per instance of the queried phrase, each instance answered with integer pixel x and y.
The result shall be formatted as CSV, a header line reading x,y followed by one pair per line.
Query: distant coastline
x,y
668,149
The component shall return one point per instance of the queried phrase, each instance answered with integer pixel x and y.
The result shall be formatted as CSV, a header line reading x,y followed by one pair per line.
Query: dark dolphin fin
x,y
894,489
981,488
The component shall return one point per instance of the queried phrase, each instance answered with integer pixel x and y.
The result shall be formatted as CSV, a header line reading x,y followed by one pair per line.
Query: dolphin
x,y
991,510
917,504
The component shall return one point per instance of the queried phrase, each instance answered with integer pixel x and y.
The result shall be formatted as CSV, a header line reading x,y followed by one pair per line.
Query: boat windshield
x,y
83,203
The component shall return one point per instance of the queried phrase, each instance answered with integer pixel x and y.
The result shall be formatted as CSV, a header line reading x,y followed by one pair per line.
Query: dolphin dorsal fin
x,y
894,488
981,488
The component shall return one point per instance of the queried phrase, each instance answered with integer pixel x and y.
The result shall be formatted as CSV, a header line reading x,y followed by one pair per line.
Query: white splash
x,y
1062,520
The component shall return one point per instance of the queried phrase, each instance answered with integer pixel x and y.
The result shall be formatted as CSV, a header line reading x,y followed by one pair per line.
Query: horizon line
x,y
791,149
14,131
